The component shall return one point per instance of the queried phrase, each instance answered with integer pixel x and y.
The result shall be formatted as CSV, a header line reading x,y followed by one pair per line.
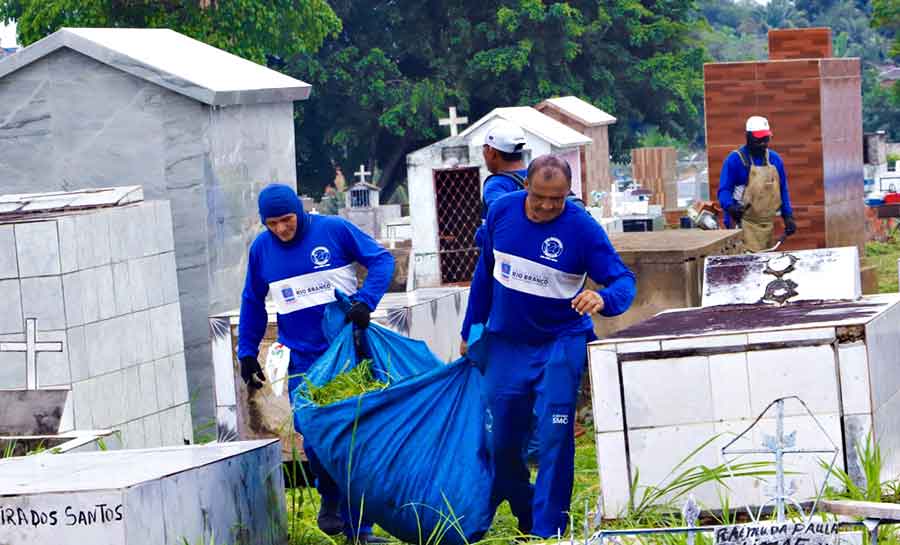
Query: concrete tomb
x,y
92,306
662,387
219,493
594,123
194,125
433,315
669,269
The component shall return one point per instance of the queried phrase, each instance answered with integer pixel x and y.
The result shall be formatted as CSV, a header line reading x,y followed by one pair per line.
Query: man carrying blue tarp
x,y
301,259
529,291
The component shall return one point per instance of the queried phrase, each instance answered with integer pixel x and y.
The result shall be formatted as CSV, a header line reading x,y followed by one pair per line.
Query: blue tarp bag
x,y
412,457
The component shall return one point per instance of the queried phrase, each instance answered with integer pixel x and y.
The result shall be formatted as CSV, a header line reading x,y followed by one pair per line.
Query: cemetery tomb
x,y
92,306
219,493
814,105
669,269
194,125
594,123
445,182
363,207
662,387
433,315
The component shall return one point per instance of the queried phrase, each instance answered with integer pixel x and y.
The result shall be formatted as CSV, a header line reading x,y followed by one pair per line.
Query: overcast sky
x,y
7,35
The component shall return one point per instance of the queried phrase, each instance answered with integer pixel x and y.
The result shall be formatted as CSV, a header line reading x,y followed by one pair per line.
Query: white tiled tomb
x,y
91,304
433,315
219,493
666,385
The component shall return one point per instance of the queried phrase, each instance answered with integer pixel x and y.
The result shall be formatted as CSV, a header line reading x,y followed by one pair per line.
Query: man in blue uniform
x,y
529,292
753,188
504,159
301,259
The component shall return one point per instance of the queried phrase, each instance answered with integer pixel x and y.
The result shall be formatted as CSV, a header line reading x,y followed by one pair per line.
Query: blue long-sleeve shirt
x,y
528,273
734,173
302,276
498,185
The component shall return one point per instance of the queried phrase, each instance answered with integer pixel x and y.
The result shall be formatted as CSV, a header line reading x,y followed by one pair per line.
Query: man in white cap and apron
x,y
753,188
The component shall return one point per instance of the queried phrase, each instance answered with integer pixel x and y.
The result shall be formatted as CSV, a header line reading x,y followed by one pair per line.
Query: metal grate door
x,y
458,195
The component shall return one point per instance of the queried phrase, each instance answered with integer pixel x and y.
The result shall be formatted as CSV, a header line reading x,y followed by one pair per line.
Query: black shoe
x,y
368,539
329,521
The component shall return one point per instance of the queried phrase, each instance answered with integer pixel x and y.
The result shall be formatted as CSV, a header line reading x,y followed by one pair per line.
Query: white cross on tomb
x,y
453,121
31,347
362,173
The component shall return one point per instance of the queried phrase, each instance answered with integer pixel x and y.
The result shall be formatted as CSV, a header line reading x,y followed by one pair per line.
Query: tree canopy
x,y
385,71
399,64
250,28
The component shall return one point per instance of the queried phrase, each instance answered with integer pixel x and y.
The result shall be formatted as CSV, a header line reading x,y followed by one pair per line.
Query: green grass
x,y
355,382
303,506
884,256
657,505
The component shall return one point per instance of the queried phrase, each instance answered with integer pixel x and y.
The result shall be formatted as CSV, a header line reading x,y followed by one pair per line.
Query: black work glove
x,y
789,226
251,372
736,211
359,314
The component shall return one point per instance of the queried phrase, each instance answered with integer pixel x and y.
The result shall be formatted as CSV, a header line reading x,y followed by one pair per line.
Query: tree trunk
x,y
389,175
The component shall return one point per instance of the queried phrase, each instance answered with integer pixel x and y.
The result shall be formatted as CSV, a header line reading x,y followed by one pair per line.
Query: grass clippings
x,y
352,383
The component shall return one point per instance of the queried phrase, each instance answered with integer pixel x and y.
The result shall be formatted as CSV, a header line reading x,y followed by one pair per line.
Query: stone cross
x,y
31,347
453,121
362,173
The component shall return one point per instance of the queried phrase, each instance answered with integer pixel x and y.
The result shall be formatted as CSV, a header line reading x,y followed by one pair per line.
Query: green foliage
x,y
250,28
871,463
648,501
653,138
885,255
886,16
354,382
378,95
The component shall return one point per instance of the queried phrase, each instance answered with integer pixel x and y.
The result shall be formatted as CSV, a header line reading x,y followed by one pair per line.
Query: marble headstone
x,y
805,275
91,305
219,493
192,124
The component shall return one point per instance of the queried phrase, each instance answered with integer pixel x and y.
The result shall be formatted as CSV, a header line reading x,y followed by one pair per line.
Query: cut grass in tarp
x,y
355,382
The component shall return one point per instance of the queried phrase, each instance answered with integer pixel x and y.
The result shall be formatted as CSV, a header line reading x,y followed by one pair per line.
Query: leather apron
x,y
761,200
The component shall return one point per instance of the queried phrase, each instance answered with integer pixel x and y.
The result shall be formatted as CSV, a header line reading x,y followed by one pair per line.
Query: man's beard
x,y
758,151
756,148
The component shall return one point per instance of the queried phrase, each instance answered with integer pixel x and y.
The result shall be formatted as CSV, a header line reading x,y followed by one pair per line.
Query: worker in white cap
x,y
504,159
753,188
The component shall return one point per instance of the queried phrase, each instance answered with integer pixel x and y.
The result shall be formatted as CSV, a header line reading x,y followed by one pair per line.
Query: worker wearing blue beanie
x,y
300,259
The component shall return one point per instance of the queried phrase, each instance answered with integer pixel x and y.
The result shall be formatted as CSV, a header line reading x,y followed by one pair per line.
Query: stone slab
x,y
32,412
825,274
695,322
232,491
669,271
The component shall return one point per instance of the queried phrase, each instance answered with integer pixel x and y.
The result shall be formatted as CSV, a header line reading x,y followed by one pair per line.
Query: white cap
x,y
506,137
758,126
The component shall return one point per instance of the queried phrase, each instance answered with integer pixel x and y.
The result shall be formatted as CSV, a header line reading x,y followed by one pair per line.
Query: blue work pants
x,y
522,381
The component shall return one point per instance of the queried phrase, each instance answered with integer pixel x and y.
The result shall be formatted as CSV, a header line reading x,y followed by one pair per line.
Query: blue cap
x,y
279,200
